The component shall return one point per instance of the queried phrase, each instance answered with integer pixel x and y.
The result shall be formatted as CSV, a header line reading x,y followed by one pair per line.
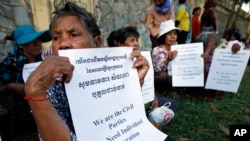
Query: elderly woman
x,y
72,27
19,123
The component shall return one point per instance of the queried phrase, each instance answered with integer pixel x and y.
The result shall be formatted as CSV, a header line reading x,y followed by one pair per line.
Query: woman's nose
x,y
65,43
136,44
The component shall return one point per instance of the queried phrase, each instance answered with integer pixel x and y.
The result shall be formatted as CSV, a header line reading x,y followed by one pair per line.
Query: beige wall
x,y
41,16
42,9
41,13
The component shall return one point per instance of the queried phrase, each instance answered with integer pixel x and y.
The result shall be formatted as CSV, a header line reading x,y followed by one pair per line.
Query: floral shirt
x,y
159,55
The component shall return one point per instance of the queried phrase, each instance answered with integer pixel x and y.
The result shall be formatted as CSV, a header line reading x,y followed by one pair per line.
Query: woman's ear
x,y
98,41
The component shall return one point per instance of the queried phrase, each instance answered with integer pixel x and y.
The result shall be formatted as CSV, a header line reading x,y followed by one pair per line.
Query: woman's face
x,y
68,33
171,37
33,48
131,41
198,12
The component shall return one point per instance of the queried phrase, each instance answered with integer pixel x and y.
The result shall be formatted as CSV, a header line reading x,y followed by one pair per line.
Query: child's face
x,y
232,38
198,13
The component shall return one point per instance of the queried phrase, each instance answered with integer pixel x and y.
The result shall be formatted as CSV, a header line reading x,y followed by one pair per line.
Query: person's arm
x,y
150,22
172,14
141,64
171,56
16,88
51,127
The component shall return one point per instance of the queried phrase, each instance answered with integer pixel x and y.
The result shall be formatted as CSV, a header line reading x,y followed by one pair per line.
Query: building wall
x,y
12,13
110,15
114,14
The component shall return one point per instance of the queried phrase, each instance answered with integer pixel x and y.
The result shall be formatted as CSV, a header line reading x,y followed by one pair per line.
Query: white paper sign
x,y
188,65
28,69
105,97
148,86
227,69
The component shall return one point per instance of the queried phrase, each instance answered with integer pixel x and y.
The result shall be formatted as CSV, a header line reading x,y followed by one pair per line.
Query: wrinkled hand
x,y
235,48
52,68
141,64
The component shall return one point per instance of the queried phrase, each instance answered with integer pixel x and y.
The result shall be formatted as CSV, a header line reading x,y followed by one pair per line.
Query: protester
x,y
234,36
159,11
129,36
71,27
208,21
162,55
183,22
196,25
19,123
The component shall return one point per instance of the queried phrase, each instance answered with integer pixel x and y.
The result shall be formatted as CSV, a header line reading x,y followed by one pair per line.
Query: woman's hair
x,y
234,32
123,33
68,9
209,4
111,40
161,39
196,9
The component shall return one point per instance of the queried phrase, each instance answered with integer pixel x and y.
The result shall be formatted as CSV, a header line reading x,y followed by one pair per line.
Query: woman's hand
x,y
141,64
52,68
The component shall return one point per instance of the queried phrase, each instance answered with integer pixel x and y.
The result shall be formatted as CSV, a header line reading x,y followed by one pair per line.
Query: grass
x,y
200,120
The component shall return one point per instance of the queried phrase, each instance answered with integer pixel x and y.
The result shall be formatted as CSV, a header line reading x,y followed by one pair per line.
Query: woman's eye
x,y
75,35
55,38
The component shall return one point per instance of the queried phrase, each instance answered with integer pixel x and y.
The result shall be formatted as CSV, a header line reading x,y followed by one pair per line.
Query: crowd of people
x,y
73,27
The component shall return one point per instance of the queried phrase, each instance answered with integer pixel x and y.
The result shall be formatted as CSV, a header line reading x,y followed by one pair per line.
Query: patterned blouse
x,y
159,55
58,98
